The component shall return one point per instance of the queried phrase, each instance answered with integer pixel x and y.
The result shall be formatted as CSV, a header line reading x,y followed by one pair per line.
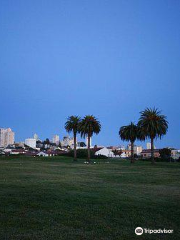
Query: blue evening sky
x,y
109,58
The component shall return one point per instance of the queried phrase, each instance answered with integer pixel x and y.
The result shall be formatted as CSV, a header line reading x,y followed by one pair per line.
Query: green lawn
x,y
54,198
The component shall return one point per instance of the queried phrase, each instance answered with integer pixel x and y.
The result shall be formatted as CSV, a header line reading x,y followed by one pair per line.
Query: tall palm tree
x,y
72,125
129,133
88,126
152,125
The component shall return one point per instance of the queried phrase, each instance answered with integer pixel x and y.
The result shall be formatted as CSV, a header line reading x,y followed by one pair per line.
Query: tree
x,y
152,125
47,141
165,153
129,133
117,152
72,125
82,144
88,126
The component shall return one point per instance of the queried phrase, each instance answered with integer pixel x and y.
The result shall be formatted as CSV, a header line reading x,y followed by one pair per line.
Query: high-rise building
x,y
67,141
137,149
6,137
148,145
55,139
36,137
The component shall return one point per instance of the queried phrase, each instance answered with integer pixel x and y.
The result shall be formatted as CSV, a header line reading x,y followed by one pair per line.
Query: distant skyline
x,y
109,58
57,138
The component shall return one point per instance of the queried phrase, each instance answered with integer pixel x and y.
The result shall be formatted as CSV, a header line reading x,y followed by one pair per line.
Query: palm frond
x,y
89,125
152,123
129,132
72,124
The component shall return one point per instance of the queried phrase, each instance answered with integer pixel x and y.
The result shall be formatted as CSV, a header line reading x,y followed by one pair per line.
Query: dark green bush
x,y
100,157
81,153
165,153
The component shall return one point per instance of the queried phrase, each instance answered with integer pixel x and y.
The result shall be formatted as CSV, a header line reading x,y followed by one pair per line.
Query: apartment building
x,y
6,137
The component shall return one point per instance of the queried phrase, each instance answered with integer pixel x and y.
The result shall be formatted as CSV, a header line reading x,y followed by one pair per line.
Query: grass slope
x,y
54,198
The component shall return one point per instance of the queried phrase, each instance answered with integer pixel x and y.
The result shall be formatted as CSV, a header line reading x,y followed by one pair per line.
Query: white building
x,y
67,141
36,137
31,142
137,149
105,152
6,137
55,139
148,145
175,154
123,155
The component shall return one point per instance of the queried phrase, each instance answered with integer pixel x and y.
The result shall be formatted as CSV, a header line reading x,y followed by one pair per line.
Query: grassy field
x,y
54,198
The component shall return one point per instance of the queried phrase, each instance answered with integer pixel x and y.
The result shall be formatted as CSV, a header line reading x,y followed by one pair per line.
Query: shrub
x,y
100,157
81,153
165,153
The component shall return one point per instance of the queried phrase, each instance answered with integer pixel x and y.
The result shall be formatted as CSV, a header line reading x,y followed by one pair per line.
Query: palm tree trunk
x,y
75,152
152,150
132,152
89,148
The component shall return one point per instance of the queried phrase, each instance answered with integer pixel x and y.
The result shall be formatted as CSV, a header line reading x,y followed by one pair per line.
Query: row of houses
x,y
29,151
125,153
146,153
52,150
114,152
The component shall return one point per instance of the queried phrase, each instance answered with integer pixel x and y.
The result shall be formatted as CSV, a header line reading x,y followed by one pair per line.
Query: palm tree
x,y
88,126
152,125
72,125
129,133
